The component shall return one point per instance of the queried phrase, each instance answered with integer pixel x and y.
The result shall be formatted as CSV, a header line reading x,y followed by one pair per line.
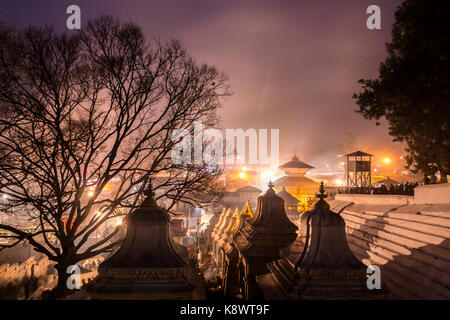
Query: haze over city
x,y
293,65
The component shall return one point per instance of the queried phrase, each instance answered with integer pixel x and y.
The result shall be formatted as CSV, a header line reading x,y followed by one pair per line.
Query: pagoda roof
x,y
358,154
295,182
295,163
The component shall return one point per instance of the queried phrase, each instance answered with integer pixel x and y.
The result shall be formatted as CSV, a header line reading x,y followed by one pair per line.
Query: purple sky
x,y
293,65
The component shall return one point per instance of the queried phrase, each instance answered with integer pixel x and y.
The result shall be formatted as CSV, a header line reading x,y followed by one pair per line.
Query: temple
x,y
295,182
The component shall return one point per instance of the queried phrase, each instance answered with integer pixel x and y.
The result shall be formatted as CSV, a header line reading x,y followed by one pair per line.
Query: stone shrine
x,y
325,268
210,241
261,238
148,264
232,268
217,236
291,205
223,238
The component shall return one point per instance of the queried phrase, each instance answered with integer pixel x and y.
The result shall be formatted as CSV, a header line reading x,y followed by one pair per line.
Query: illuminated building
x,y
238,198
295,182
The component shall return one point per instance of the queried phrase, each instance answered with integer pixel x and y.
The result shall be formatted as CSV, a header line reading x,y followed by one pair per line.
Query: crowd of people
x,y
406,188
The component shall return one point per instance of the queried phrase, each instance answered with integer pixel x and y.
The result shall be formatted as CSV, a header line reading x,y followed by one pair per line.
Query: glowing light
x,y
244,168
119,222
90,193
338,182
98,214
342,163
387,160
242,175
375,170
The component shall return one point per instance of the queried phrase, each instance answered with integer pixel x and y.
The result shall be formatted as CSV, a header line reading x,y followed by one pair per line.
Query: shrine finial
x,y
149,194
322,195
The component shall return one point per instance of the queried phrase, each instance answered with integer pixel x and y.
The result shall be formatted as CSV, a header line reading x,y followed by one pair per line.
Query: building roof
x,y
358,154
387,181
248,189
289,199
295,163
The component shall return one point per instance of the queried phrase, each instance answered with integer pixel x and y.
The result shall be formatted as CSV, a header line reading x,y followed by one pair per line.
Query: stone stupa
x,y
260,239
148,265
320,264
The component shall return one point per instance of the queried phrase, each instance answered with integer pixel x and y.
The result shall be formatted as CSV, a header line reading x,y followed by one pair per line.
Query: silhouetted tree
x,y
413,88
95,111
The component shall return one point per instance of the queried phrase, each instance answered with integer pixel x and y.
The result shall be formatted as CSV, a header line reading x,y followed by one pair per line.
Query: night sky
x,y
293,65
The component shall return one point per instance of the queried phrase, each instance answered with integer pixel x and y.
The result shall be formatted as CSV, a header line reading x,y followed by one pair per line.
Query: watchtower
x,y
358,169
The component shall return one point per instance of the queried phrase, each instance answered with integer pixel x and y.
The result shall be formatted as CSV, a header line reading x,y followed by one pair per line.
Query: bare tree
x,y
87,120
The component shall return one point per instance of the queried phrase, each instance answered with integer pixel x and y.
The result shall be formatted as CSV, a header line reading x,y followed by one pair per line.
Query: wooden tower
x,y
358,171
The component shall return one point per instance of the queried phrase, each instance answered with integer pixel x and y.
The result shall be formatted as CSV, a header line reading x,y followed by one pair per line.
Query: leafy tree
x,y
412,90
93,111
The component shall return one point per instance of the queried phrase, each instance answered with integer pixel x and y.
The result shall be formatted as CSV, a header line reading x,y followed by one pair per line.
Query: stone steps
x,y
424,233
412,284
411,247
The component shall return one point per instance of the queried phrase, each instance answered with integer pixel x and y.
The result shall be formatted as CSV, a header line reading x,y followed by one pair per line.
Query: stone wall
x,y
19,280
29,279
408,237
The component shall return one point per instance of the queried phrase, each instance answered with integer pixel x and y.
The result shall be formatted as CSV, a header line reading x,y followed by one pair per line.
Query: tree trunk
x,y
61,290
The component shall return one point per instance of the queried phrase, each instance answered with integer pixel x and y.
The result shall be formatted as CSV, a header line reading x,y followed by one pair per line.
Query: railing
x,y
406,189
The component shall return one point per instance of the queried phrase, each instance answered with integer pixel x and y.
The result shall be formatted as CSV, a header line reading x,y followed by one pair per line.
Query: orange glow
x,y
387,160
242,175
